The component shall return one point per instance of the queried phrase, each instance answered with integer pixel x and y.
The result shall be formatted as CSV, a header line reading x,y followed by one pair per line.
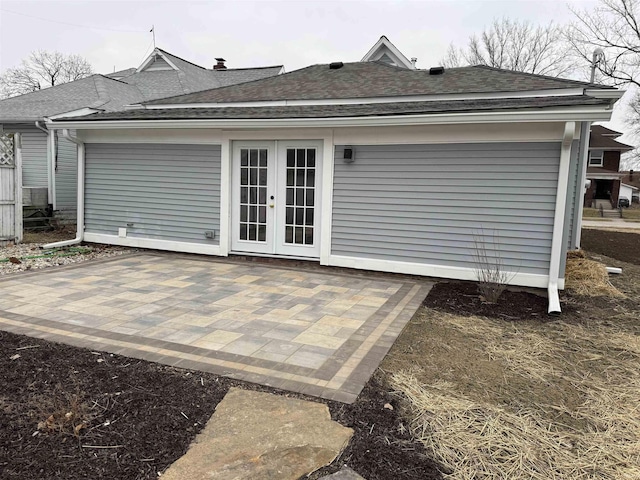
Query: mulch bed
x,y
463,298
619,245
134,418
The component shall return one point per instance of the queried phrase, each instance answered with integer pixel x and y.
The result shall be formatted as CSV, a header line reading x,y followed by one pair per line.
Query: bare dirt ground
x,y
522,394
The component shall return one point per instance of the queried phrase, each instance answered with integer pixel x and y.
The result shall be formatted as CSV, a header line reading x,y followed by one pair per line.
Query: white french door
x,y
275,197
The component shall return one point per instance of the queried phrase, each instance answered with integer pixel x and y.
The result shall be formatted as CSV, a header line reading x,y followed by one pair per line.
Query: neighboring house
x,y
630,186
603,169
49,160
362,165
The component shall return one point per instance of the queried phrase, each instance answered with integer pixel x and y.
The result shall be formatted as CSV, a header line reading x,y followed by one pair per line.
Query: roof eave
x,y
566,114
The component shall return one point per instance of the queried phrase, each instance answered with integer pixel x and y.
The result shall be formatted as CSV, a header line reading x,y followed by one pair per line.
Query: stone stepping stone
x,y
260,435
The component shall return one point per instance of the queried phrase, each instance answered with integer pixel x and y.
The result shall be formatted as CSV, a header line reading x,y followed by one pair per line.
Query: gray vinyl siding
x,y
34,155
168,192
66,178
430,203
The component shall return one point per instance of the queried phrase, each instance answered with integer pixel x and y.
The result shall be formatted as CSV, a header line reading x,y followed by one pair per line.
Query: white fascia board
x,y
81,112
150,59
630,186
604,93
369,100
562,115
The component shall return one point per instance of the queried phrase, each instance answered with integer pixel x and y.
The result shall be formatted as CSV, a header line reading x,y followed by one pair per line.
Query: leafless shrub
x,y
63,412
489,267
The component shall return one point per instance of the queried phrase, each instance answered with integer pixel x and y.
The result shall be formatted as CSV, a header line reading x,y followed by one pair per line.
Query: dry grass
x,y
590,213
588,277
631,213
476,438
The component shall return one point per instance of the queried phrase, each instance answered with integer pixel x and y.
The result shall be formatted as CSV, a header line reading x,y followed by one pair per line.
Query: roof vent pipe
x,y
336,65
436,70
631,175
220,65
413,62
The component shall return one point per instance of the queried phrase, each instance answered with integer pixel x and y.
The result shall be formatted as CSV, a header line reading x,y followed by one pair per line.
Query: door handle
x,y
271,201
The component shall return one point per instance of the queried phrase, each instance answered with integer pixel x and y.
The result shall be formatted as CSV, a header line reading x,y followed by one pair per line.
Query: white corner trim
x,y
156,244
326,209
558,222
225,194
429,270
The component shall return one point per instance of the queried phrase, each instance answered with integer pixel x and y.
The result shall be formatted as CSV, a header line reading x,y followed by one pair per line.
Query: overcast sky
x,y
115,34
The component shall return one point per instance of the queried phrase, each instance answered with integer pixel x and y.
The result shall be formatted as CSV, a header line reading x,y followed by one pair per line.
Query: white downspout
x,y
50,170
80,214
558,221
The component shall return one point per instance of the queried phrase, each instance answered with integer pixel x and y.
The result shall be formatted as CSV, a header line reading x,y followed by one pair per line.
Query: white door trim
x,y
326,209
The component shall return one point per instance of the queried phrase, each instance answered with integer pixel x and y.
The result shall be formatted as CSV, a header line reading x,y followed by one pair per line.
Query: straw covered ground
x,y
531,397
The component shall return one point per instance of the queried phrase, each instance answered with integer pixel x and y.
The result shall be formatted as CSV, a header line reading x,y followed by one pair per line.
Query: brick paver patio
x,y
307,331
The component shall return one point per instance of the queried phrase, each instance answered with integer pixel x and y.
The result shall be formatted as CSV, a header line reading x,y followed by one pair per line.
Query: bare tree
x,y
514,45
613,27
41,70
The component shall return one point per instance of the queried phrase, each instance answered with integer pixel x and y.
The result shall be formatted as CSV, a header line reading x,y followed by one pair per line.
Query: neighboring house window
x,y
596,159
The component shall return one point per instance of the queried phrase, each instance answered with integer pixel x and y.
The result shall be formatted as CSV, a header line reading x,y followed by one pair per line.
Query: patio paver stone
x,y
308,331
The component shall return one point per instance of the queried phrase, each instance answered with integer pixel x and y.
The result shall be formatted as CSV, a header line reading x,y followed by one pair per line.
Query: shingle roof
x,y
633,180
600,130
106,93
95,91
349,110
602,138
375,79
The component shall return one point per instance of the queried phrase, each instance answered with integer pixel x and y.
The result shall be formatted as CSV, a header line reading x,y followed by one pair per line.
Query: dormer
x,y
156,61
386,52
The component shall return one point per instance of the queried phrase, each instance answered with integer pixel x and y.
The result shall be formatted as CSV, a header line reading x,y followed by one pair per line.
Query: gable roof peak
x,y
156,56
387,52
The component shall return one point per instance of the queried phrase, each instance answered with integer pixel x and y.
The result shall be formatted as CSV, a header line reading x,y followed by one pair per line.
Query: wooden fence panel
x,y
10,189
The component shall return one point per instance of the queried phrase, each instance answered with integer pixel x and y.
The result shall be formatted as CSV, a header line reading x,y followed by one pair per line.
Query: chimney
x,y
220,64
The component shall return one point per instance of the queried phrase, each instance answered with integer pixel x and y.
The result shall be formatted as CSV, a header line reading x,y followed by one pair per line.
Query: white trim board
x,y
140,242
400,135
196,136
435,271
151,58
560,92
591,113
384,45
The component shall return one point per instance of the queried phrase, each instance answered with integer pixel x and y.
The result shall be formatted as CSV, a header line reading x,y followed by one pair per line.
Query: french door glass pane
x,y
300,196
253,194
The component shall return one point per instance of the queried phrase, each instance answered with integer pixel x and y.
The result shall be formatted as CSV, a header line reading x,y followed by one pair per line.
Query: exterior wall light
x,y
349,155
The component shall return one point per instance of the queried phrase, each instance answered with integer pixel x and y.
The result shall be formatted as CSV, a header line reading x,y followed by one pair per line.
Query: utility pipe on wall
x,y
80,214
558,222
